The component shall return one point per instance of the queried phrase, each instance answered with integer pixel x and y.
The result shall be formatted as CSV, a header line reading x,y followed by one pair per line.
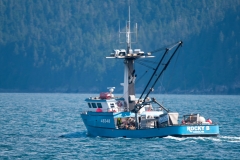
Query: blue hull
x,y
176,131
108,129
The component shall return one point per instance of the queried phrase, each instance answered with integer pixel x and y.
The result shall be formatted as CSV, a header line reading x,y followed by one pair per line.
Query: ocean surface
x,y
49,126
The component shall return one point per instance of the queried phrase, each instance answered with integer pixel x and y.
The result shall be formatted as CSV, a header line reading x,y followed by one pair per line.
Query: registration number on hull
x,y
105,120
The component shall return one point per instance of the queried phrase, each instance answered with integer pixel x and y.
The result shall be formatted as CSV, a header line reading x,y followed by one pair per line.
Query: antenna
x,y
128,32
136,33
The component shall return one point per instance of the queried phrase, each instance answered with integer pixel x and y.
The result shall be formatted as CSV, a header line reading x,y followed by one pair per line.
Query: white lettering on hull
x,y
197,129
105,120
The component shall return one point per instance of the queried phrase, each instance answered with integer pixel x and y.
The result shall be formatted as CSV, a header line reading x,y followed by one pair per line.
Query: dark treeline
x,y
60,46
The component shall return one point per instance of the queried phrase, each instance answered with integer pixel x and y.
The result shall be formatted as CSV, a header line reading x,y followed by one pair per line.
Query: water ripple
x,y
48,126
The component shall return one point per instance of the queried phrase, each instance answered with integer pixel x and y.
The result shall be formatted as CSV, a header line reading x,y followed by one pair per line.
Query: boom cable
x,y
164,48
164,68
145,60
137,107
145,65
153,73
141,77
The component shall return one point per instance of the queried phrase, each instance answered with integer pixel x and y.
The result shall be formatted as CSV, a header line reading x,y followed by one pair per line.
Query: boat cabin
x,y
97,104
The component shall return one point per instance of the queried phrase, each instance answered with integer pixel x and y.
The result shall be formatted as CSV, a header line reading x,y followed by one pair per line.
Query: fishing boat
x,y
127,116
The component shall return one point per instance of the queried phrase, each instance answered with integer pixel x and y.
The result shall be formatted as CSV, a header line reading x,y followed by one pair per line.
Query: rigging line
x,y
161,83
168,46
174,46
153,74
148,61
171,74
141,77
166,65
157,50
164,88
146,65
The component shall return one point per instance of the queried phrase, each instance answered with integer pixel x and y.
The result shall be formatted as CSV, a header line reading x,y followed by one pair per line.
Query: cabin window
x,y
89,105
99,105
94,105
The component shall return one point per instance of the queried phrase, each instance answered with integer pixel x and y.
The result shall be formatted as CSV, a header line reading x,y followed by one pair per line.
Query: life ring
x,y
119,104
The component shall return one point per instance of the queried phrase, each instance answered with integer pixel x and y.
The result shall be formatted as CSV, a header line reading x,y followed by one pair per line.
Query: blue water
x,y
48,126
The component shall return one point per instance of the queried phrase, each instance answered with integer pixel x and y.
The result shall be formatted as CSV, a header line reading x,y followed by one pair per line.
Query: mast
x,y
129,72
129,69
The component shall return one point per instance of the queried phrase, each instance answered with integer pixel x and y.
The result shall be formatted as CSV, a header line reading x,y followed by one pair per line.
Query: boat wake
x,y
74,135
176,138
231,139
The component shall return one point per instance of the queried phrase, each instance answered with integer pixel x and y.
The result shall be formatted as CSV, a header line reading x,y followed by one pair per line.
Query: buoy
x,y
209,121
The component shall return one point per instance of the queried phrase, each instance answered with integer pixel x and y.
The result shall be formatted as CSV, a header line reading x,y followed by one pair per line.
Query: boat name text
x,y
197,129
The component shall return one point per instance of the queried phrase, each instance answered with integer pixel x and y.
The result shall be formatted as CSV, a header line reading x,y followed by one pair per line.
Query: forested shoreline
x,y
60,46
